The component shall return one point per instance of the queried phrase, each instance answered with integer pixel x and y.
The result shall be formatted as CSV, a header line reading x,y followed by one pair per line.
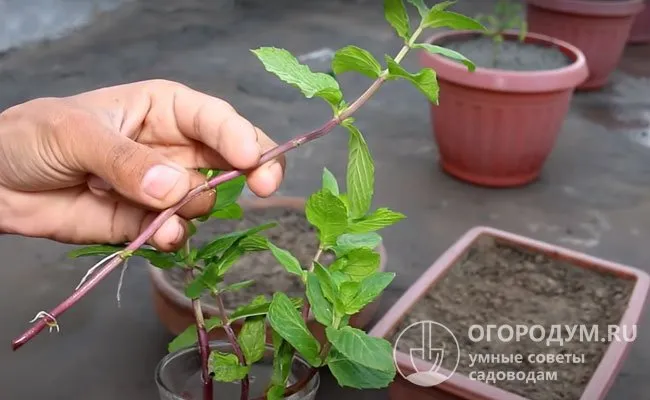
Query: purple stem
x,y
204,349
245,382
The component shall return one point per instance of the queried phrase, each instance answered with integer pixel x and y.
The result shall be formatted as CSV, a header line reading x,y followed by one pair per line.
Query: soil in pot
x,y
495,284
293,233
510,55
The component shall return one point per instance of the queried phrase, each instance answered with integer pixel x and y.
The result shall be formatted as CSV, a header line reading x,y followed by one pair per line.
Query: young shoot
x,y
347,226
506,16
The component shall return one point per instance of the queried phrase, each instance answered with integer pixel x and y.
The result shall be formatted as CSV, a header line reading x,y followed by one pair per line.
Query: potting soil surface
x,y
510,54
495,284
293,233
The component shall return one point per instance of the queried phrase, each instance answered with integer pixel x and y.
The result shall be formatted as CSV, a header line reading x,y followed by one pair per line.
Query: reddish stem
x,y
245,382
109,267
204,349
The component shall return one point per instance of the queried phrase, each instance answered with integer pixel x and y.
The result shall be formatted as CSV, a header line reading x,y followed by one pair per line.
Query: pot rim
x,y
500,80
215,344
247,203
461,385
592,8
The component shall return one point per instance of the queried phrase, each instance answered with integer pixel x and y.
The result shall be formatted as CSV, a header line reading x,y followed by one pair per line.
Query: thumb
x,y
138,172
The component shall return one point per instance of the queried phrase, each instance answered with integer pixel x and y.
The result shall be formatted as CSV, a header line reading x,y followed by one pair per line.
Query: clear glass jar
x,y
178,376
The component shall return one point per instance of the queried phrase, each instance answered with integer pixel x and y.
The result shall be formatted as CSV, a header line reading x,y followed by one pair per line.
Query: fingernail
x,y
160,180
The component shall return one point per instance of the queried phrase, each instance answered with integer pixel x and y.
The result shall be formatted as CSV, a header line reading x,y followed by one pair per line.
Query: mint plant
x,y
506,16
346,223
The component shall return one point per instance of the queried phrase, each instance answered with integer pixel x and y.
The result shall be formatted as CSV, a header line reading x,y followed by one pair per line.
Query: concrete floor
x,y
593,195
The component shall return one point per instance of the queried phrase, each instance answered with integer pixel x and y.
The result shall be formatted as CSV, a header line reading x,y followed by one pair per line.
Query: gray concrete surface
x,y
593,195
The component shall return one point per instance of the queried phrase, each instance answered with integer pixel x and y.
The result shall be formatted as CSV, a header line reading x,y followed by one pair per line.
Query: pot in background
x,y
497,127
640,32
599,28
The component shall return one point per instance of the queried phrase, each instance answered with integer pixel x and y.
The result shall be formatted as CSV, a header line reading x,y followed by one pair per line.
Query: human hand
x,y
97,167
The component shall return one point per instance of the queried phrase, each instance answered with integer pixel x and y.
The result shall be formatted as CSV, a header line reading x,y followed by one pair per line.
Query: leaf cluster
x,y
507,15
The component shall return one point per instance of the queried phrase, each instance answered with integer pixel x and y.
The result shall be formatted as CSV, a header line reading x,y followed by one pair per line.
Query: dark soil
x,y
293,233
495,284
510,55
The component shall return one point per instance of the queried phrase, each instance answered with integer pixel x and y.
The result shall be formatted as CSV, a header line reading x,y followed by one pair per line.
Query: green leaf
x,y
252,339
329,182
232,211
396,15
286,67
419,4
254,243
448,19
371,287
226,367
320,306
223,242
350,241
191,228
189,336
360,263
237,286
282,360
94,250
327,285
286,320
353,58
214,271
195,288
156,258
454,55
284,257
259,306
381,218
351,374
347,292
425,80
229,191
357,346
360,173
327,212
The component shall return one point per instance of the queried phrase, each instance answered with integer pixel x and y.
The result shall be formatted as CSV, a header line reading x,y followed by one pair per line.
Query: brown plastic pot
x,y
599,28
640,32
459,386
174,309
497,127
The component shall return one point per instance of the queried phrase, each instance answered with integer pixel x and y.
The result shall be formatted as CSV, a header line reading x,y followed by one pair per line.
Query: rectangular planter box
x,y
459,386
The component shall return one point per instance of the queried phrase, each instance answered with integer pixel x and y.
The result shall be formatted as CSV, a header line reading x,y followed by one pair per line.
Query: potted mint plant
x,y
286,366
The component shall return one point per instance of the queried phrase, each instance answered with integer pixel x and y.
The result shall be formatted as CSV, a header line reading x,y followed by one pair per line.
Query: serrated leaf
x,y
347,293
232,211
254,243
357,346
353,58
282,360
425,80
360,173
286,67
379,219
226,367
451,54
370,288
328,214
360,263
288,261
223,242
252,339
351,374
327,285
259,306
237,286
320,306
189,336
448,19
350,241
396,15
288,323
329,182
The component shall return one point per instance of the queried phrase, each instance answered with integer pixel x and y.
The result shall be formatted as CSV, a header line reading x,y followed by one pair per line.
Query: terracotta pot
x,y
459,386
175,310
599,28
496,127
640,32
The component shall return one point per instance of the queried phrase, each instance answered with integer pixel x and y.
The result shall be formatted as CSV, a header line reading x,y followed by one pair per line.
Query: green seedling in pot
x,y
506,16
346,223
